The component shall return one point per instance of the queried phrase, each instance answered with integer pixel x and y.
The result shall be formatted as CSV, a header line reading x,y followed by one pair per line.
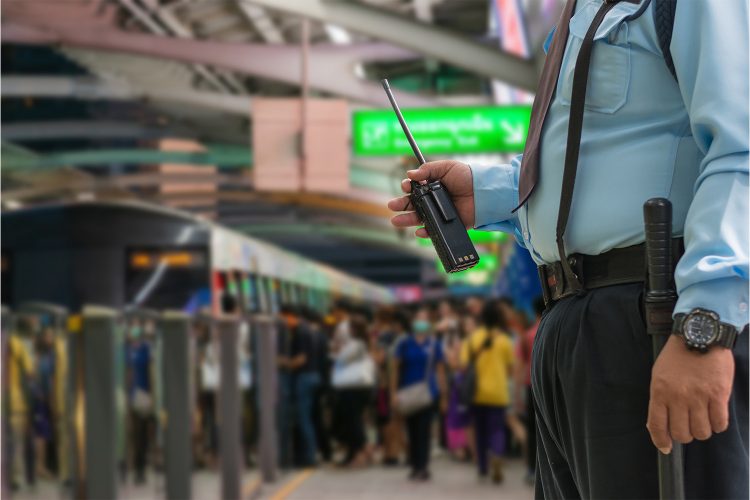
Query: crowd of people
x,y
361,386
357,387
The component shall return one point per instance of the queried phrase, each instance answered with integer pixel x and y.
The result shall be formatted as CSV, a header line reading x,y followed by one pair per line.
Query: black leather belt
x,y
619,266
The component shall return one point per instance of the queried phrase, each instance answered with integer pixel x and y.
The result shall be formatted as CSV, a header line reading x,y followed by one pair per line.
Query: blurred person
x,y
458,417
20,372
59,408
490,350
231,305
448,325
418,358
288,321
42,397
384,336
516,324
341,312
140,385
208,361
474,306
394,436
322,398
247,388
523,395
303,364
354,381
447,328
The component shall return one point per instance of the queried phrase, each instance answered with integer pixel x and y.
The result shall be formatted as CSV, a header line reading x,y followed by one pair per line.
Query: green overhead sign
x,y
485,129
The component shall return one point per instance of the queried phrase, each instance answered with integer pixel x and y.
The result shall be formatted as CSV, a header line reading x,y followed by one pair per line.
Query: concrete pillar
x,y
264,329
176,371
6,458
98,338
230,430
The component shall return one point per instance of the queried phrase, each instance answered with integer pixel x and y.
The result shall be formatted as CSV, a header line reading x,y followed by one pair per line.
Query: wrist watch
x,y
701,329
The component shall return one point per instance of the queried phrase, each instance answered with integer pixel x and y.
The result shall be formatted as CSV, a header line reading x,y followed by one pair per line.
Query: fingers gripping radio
x,y
438,213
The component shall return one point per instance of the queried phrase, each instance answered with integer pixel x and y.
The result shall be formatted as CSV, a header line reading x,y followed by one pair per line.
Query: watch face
x,y
701,329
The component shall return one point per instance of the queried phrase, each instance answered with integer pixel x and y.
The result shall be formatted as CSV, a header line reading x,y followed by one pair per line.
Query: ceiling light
x,y
338,35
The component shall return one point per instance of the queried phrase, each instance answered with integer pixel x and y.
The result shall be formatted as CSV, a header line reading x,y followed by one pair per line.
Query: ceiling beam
x,y
84,129
423,38
331,66
154,27
261,22
91,88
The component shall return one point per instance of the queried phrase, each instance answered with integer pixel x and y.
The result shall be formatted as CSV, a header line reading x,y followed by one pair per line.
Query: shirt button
x,y
743,306
526,235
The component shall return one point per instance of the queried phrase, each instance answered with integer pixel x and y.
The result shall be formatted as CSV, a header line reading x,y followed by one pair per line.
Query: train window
x,y
261,291
284,292
275,295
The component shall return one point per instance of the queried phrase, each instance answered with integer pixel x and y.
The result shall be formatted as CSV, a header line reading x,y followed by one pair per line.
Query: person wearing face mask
x,y
417,357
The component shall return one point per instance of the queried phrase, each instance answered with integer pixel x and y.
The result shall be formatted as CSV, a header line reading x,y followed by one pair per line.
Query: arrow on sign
x,y
514,132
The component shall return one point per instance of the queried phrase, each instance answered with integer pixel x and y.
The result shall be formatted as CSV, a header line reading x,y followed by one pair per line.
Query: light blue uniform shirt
x,y
645,136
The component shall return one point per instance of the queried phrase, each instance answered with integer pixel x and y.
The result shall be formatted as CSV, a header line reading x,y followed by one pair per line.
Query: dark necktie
x,y
547,84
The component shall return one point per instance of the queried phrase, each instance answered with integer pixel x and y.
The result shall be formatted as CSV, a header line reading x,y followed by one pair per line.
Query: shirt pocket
x,y
609,74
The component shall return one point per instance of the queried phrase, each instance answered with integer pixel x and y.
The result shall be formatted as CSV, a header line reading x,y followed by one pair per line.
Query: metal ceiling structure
x,y
117,75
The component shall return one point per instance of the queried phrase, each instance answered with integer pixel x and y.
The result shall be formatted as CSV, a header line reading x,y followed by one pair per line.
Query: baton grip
x,y
657,215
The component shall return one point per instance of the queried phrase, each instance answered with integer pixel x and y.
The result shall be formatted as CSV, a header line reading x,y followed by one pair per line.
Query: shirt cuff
x,y
495,194
727,297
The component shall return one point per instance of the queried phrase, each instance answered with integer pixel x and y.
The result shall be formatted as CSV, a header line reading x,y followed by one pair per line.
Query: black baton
x,y
659,304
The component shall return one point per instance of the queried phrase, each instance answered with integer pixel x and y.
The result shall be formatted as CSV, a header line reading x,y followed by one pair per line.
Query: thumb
x,y
430,171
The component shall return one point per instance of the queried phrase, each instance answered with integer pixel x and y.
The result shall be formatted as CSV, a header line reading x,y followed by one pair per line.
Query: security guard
x,y
618,119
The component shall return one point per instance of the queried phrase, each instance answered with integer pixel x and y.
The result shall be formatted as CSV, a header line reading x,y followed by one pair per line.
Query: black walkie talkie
x,y
436,210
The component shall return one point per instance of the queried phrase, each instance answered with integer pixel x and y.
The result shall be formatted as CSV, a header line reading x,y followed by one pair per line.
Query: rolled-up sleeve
x,y
710,52
496,195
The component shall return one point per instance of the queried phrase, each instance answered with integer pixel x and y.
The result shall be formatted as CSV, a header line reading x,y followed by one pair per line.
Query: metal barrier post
x,y
176,362
230,432
5,457
264,329
100,413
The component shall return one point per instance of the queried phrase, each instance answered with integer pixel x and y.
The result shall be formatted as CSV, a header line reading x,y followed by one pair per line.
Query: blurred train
x,y
134,255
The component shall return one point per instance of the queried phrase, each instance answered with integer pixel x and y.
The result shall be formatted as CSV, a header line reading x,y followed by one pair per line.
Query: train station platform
x,y
450,480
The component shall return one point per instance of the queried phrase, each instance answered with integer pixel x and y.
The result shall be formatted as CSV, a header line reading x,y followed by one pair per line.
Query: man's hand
x,y
455,176
689,394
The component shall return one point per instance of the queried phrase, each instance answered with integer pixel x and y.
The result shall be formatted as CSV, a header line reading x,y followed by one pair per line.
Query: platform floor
x,y
451,480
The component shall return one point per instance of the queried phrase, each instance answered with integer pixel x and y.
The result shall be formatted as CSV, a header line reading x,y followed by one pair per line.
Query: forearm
x,y
496,195
710,39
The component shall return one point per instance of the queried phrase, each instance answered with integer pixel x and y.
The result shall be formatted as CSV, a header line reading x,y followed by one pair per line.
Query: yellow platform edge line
x,y
292,485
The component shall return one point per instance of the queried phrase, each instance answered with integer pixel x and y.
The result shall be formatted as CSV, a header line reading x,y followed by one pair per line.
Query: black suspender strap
x,y
575,127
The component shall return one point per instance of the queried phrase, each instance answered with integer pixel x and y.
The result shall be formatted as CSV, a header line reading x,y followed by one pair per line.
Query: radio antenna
x,y
404,126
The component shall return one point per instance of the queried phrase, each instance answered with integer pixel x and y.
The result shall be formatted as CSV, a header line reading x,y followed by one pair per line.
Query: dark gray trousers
x,y
591,370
